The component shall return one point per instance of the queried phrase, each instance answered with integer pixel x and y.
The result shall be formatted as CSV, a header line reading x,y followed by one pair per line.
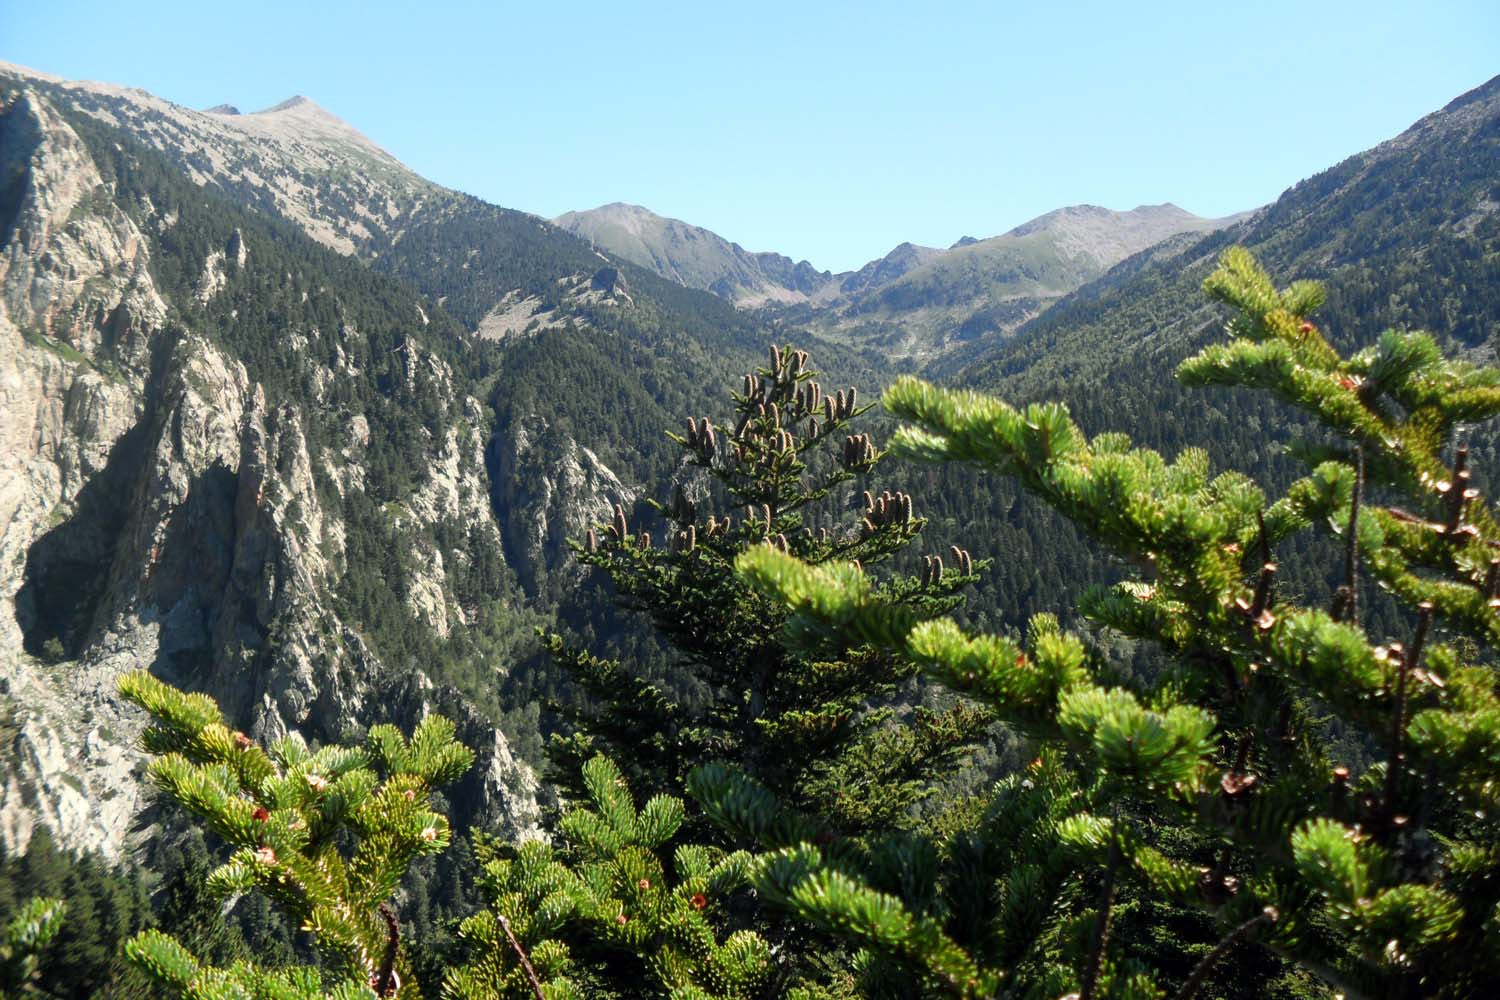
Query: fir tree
x,y
1383,880
326,835
819,731
645,919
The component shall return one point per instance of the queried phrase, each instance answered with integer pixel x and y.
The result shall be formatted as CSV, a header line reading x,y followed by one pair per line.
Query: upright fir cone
x,y
619,525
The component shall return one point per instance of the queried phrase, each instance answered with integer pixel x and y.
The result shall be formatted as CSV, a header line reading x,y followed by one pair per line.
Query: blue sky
x,y
826,131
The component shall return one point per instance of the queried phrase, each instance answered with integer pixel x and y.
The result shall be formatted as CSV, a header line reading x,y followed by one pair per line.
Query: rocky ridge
x,y
915,303
295,158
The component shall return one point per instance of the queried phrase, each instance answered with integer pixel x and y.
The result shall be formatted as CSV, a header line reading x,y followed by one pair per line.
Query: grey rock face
x,y
548,489
159,511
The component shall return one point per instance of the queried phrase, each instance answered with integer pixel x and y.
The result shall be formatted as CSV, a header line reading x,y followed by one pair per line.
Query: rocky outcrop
x,y
78,312
158,510
549,489
610,281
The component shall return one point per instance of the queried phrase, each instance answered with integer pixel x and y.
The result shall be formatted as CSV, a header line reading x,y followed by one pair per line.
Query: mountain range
x,y
916,302
294,426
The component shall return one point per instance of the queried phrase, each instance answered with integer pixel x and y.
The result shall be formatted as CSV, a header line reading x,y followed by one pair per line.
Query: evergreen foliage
x,y
613,883
27,934
819,731
325,834
105,905
1382,881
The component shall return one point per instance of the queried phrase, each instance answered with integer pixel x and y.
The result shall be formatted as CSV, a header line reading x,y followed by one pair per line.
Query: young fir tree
x,y
819,731
1383,881
22,942
654,919
327,839
325,834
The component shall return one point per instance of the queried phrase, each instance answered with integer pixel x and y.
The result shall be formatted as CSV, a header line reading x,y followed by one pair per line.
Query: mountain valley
x,y
287,424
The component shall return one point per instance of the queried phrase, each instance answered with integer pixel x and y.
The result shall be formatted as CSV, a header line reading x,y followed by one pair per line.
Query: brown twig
x,y
1263,591
1398,731
536,984
1201,970
1102,921
1350,603
1458,492
385,977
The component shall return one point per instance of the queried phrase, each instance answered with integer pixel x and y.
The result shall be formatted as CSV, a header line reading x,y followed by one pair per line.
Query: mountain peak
x,y
295,101
1072,214
300,119
301,106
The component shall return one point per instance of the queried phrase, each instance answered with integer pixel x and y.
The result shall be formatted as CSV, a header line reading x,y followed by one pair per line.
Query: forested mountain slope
x,y
267,443
979,291
1405,235
917,305
232,455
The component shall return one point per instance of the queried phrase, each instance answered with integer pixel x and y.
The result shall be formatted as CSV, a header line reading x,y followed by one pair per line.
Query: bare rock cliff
x,y
158,511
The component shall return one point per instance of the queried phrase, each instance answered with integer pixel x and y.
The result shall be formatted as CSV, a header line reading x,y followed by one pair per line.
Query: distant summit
x,y
291,103
303,160
693,256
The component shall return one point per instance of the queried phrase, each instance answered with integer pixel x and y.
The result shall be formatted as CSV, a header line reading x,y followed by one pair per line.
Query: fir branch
x,y
1103,919
1200,971
525,960
1348,600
